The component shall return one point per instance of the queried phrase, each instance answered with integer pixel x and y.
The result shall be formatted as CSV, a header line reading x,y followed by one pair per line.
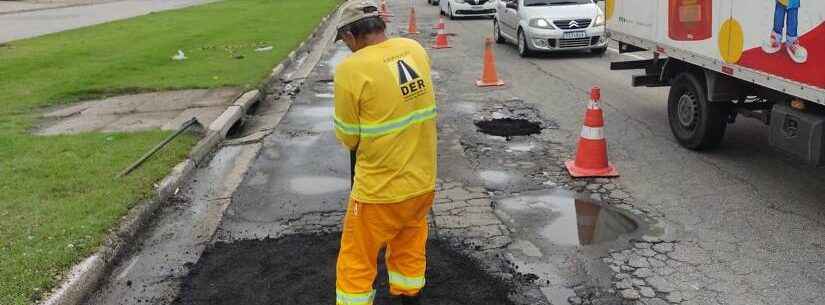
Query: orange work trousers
x,y
402,228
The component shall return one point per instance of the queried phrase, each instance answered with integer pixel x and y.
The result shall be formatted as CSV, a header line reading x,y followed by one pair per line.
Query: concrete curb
x,y
85,277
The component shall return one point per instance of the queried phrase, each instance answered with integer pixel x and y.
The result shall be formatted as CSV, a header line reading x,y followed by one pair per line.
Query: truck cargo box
x,y
732,37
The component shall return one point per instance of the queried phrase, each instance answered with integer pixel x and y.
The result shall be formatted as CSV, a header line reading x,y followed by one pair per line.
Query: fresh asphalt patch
x,y
300,269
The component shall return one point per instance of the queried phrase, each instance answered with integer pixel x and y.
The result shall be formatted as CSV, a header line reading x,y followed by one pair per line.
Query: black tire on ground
x,y
598,51
696,123
523,46
497,32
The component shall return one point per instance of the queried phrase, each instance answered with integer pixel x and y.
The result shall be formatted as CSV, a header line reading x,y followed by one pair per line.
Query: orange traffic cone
x,y
440,24
489,76
412,28
383,10
591,156
441,39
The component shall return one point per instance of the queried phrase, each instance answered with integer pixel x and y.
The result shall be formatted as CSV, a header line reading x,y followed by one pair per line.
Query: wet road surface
x,y
748,221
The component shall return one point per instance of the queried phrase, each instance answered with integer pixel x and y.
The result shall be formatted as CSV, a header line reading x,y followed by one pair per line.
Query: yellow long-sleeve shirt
x,y
385,110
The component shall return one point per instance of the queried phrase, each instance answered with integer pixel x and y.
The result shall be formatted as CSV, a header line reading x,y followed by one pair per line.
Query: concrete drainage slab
x,y
166,110
300,269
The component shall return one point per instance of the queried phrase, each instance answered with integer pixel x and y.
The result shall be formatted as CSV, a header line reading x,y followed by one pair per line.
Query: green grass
x,y
58,197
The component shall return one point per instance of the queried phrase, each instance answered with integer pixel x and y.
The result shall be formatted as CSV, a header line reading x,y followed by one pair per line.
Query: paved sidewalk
x,y
36,23
167,110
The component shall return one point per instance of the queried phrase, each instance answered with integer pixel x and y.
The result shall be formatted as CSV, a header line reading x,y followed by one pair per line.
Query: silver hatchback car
x,y
550,25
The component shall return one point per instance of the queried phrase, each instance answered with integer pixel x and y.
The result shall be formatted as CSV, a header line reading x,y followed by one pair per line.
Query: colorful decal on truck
x,y
690,20
782,38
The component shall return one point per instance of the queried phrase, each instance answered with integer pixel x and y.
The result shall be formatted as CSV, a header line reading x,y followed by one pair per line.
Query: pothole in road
x,y
510,119
561,219
300,269
508,127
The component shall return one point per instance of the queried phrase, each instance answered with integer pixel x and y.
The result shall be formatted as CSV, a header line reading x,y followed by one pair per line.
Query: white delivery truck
x,y
762,59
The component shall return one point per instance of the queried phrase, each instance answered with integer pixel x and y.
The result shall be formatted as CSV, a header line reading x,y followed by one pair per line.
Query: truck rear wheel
x,y
695,122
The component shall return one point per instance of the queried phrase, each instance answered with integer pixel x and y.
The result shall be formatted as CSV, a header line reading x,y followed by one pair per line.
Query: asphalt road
x,y
36,23
738,225
752,217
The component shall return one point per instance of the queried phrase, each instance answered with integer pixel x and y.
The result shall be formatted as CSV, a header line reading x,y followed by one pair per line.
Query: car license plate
x,y
478,7
574,35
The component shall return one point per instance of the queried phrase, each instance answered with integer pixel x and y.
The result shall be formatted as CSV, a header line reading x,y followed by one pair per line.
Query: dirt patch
x,y
300,269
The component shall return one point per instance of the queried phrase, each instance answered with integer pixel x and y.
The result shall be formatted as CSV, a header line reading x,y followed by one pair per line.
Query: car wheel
x,y
497,32
598,51
695,122
523,47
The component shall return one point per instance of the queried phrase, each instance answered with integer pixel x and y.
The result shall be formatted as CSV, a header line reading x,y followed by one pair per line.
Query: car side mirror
x,y
512,5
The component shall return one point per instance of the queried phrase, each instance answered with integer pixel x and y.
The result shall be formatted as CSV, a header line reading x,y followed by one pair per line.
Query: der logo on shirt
x,y
409,81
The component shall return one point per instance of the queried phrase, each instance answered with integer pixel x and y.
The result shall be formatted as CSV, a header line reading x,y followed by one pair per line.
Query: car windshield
x,y
554,2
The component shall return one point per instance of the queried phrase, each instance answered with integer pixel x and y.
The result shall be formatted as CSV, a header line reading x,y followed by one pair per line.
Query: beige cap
x,y
355,10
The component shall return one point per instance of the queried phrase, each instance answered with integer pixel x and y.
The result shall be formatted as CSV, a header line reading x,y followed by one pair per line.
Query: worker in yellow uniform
x,y
384,113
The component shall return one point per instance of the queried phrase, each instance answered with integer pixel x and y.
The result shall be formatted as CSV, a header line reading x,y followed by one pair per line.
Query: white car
x,y
467,8
550,25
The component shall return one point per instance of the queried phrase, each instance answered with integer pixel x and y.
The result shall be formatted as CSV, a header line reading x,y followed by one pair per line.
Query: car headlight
x,y
599,20
541,23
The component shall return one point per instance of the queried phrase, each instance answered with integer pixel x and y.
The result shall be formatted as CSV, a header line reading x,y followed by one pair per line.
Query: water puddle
x,y
520,147
337,57
508,127
324,126
495,177
435,75
318,185
318,112
561,219
465,107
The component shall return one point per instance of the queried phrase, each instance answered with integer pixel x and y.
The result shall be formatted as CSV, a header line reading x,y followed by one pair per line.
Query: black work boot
x,y
405,300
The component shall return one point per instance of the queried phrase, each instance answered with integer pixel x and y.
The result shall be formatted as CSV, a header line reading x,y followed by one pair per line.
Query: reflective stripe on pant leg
x,y
406,282
343,298
406,252
360,243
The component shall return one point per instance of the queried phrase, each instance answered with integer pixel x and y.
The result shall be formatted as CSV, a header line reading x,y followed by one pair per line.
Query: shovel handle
x,y
352,158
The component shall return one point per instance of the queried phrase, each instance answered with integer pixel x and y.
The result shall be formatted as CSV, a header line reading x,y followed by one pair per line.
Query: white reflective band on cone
x,y
592,133
593,105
